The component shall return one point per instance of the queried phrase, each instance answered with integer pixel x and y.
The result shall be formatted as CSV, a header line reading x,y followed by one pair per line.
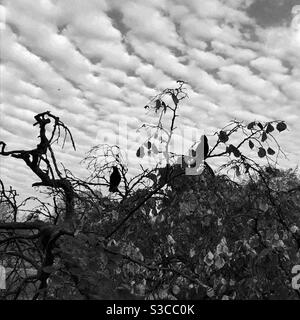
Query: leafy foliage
x,y
164,234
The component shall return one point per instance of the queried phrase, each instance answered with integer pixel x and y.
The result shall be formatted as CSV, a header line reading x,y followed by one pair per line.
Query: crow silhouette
x,y
115,179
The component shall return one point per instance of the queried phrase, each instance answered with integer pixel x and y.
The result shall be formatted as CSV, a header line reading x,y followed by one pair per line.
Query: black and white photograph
x,y
149,153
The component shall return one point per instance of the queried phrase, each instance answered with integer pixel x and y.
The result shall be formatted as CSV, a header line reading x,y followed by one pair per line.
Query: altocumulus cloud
x,y
94,63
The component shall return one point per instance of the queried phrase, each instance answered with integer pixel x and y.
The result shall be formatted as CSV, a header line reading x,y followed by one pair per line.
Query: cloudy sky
x,y
96,62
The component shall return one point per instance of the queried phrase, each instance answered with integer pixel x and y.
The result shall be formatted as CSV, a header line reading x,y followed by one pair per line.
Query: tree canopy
x,y
181,229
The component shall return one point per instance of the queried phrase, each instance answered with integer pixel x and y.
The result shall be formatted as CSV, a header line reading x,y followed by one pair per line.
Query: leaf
x,y
153,177
281,126
158,104
247,167
270,151
209,258
230,149
261,152
223,136
210,292
171,240
270,128
175,289
175,100
149,145
251,125
192,252
222,247
264,137
140,152
236,152
251,144
219,262
164,106
237,171
260,125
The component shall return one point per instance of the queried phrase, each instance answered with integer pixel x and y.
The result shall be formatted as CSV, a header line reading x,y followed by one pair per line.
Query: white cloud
x,y
292,90
268,65
96,62
243,78
150,24
238,54
206,60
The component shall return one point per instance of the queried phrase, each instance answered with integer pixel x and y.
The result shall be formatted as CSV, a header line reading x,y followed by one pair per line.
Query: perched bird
x,y
114,180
